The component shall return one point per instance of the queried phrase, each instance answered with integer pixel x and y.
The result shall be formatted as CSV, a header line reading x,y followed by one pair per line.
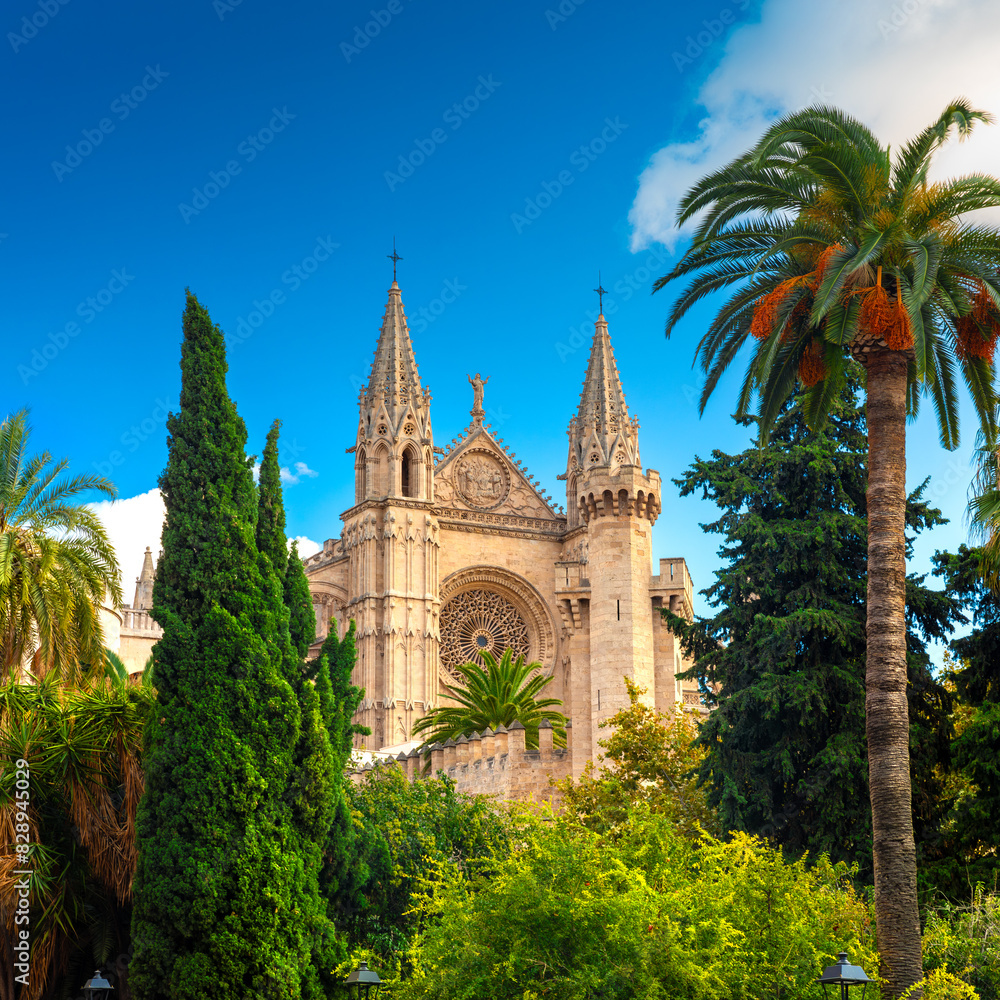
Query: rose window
x,y
480,621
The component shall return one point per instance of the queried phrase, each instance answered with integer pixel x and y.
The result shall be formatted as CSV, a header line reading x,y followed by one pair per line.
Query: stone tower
x,y
144,584
391,539
608,492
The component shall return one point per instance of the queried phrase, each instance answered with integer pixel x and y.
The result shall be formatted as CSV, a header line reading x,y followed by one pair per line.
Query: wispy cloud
x,y
301,470
288,477
895,65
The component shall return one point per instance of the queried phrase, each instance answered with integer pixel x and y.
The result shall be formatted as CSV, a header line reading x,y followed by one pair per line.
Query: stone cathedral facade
x,y
447,552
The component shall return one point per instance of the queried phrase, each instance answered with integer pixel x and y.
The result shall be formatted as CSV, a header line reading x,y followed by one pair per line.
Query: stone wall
x,y
493,763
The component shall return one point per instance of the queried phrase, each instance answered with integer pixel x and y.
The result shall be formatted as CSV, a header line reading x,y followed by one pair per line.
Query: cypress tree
x,y
783,658
312,791
271,506
218,881
298,600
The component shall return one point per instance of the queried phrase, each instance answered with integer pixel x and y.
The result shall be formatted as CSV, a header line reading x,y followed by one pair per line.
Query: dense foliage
x,y
225,903
969,850
83,751
408,828
648,757
783,658
647,913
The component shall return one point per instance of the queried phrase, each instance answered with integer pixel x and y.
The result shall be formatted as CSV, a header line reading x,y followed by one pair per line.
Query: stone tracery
x,y
480,621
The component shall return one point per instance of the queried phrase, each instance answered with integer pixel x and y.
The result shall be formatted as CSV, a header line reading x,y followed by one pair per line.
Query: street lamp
x,y
367,982
97,988
844,975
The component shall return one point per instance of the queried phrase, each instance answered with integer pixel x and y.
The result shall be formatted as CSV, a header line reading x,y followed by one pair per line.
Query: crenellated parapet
x,y
490,763
623,494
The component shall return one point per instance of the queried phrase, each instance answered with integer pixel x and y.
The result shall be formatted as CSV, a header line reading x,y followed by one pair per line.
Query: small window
x,y
406,474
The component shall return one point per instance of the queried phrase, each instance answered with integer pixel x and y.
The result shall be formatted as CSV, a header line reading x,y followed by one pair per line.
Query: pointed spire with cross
x,y
601,292
394,257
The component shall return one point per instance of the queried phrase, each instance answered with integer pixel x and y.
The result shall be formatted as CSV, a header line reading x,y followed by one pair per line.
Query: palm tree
x,y
501,694
56,562
984,510
838,253
83,750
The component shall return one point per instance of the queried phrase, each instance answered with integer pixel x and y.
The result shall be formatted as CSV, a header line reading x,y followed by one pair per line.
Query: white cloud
x,y
288,477
307,547
301,469
894,65
132,524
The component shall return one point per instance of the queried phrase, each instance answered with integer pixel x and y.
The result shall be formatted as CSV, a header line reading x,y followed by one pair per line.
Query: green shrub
x,y
648,914
966,940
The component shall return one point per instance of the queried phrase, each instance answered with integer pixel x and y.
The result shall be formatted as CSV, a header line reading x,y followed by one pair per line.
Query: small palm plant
x,y
501,694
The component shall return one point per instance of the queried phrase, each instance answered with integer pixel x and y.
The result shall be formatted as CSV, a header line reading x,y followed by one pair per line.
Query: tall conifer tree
x,y
783,659
219,883
271,506
312,792
302,618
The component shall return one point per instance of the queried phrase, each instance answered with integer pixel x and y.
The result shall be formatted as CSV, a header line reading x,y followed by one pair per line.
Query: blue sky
x,y
266,156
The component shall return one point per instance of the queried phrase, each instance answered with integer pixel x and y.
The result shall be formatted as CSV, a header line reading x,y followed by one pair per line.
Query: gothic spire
x,y
602,433
144,583
394,381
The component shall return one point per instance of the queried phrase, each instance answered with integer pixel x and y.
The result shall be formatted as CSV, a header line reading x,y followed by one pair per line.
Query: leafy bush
x,y
648,914
966,941
407,827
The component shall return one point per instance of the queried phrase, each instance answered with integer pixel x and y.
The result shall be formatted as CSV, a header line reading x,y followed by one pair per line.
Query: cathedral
x,y
450,552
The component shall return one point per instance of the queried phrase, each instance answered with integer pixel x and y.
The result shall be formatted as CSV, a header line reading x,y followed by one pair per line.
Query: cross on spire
x,y
394,257
601,292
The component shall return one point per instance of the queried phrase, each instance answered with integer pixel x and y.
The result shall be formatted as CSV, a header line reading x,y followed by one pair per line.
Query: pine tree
x,y
974,839
783,658
218,882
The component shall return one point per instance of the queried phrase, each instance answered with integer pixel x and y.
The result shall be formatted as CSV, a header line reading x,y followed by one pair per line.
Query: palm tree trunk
x,y
887,719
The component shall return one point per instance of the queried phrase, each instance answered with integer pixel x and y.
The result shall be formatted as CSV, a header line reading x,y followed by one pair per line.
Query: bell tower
x,y
391,539
608,492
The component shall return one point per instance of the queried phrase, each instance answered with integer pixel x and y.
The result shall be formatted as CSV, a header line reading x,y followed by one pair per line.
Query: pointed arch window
x,y
409,474
360,476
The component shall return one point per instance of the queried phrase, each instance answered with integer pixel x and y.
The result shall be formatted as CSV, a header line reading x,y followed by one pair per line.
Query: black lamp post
x,y
844,975
363,983
97,987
